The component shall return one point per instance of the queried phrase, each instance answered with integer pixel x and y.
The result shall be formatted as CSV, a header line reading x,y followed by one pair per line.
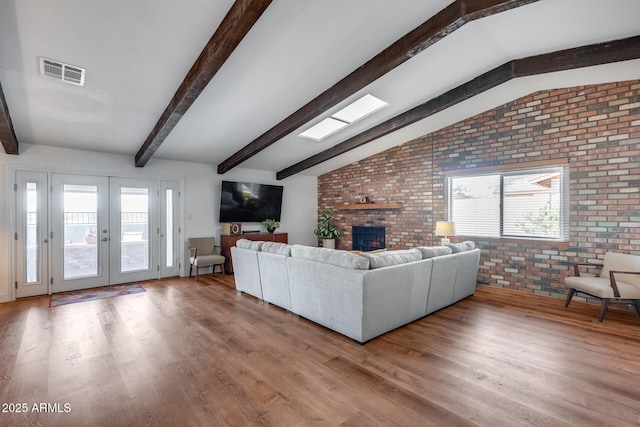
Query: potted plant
x,y
326,231
271,225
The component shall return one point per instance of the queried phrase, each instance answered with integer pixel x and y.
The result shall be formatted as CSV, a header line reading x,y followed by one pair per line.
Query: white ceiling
x,y
137,54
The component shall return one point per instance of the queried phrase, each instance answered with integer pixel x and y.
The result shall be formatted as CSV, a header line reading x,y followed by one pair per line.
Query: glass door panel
x,y
134,229
33,232
80,238
80,231
169,231
31,237
134,238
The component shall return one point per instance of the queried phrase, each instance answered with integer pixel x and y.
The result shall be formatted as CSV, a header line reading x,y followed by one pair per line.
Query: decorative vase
x,y
271,229
329,243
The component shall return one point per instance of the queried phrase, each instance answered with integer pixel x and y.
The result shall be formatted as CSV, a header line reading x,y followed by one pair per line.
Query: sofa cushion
x,y
277,248
461,247
249,244
601,287
434,251
331,256
207,260
385,259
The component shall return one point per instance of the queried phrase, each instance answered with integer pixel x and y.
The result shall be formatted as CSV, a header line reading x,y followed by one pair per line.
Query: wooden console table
x,y
226,242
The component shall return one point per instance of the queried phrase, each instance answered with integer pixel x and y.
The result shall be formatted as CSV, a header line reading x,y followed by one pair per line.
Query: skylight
x,y
323,129
350,114
360,109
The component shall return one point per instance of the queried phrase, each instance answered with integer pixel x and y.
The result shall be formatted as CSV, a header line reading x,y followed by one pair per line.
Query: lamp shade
x,y
445,228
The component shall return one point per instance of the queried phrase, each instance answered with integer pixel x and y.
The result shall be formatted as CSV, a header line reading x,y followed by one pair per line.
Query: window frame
x,y
560,165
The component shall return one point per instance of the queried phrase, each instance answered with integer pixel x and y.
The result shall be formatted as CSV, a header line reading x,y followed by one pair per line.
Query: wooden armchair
x,y
618,282
203,252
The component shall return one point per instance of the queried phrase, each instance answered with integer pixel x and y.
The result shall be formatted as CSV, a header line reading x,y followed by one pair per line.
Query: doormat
x,y
83,295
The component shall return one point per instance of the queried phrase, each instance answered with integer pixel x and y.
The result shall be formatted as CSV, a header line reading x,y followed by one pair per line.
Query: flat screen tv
x,y
249,202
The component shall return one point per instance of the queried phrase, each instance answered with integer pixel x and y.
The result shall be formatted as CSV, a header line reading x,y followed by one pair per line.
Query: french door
x,y
134,237
90,231
79,232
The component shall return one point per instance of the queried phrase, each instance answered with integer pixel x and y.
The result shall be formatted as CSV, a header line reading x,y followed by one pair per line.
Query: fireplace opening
x,y
367,238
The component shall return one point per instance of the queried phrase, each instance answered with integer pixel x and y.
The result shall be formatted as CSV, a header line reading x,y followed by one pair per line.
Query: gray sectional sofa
x,y
361,296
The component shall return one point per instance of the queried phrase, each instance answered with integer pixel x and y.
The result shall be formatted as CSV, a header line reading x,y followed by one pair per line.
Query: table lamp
x,y
445,229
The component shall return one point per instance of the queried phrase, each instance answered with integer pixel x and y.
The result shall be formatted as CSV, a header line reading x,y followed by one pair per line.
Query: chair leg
x,y
636,304
213,270
190,268
197,273
569,296
604,305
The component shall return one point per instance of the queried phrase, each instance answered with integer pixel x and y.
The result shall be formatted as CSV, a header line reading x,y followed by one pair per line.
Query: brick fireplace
x,y
367,238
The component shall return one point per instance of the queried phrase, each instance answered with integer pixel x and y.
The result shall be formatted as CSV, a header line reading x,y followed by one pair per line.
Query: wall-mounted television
x,y
249,202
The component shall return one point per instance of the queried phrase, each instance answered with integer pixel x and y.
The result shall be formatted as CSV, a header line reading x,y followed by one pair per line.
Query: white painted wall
x,y
200,196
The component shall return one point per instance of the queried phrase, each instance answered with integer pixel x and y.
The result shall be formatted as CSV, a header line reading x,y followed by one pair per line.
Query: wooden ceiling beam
x,y
585,56
579,57
434,29
241,17
7,134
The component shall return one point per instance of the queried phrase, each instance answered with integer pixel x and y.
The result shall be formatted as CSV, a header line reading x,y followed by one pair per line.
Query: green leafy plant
x,y
326,230
270,223
545,222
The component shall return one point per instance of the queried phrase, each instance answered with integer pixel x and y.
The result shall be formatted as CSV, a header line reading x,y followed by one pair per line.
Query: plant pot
x,y
271,229
90,239
329,243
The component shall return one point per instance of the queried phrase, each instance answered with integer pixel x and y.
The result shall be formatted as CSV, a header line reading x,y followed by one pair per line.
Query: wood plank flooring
x,y
200,354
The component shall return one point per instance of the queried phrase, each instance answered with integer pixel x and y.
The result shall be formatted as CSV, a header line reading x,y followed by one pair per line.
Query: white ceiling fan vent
x,y
65,72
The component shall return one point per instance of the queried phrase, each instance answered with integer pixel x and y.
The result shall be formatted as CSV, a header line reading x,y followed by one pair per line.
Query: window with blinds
x,y
518,203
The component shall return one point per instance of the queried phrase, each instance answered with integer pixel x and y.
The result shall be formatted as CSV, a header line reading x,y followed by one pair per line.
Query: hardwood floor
x,y
198,353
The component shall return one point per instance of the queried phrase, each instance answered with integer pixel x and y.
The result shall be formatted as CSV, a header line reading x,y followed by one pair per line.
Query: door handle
x,y
104,239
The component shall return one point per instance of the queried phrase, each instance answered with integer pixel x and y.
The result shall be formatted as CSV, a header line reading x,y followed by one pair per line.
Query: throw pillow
x,y
385,259
249,244
461,247
434,251
331,256
277,248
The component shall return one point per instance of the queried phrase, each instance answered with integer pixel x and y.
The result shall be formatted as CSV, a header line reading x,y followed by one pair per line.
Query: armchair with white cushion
x,y
203,252
618,282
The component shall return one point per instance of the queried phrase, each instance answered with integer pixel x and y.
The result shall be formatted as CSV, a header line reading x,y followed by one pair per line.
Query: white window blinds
x,y
526,203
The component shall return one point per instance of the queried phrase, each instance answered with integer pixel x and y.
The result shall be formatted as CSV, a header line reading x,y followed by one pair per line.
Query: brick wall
x,y
596,128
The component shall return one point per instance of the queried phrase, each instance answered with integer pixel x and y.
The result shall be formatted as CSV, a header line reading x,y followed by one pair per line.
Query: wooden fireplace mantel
x,y
369,206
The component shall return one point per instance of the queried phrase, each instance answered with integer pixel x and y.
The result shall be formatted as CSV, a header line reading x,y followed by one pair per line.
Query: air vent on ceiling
x,y
65,72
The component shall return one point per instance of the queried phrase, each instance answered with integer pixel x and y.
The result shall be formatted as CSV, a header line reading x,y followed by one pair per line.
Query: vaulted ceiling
x,y
234,83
